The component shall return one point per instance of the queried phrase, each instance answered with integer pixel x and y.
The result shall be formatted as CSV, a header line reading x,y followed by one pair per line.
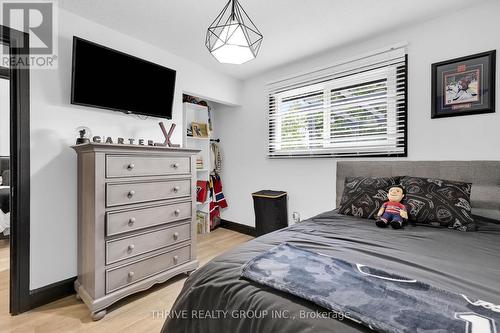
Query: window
x,y
354,109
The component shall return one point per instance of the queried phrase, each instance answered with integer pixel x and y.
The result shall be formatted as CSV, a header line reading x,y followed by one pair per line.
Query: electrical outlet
x,y
296,217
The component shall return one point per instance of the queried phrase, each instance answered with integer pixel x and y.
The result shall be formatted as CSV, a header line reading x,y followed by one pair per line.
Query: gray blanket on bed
x,y
381,300
460,262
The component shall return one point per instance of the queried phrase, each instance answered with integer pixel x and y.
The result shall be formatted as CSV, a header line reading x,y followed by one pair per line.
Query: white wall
x,y
4,117
53,124
311,182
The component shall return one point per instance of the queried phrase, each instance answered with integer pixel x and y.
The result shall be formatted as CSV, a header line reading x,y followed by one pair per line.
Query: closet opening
x,y
200,132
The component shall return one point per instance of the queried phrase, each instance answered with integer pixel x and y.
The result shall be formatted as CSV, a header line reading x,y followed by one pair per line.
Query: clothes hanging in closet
x,y
217,200
215,158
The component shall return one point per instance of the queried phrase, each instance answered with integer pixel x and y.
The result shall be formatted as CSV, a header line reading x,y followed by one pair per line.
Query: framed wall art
x,y
464,86
200,130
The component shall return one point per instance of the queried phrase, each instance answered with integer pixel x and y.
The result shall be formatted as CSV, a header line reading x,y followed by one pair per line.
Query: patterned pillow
x,y
439,202
363,196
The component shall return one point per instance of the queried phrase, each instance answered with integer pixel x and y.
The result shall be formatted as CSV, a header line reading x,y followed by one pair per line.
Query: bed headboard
x,y
484,176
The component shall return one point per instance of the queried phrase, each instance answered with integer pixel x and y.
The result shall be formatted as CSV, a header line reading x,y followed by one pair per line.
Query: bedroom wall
x,y
53,124
311,182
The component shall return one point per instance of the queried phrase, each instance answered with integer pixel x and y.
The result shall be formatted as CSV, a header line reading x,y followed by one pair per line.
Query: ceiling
x,y
292,29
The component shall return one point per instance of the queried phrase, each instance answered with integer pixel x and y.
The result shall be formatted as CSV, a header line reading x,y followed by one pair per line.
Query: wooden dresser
x,y
136,219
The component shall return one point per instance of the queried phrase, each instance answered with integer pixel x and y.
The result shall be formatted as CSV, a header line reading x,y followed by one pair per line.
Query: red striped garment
x,y
393,207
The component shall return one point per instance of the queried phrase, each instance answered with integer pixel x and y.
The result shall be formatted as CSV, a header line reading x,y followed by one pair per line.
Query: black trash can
x,y
270,211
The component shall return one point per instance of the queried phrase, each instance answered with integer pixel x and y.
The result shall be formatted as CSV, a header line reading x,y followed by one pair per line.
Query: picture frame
x,y
464,86
199,130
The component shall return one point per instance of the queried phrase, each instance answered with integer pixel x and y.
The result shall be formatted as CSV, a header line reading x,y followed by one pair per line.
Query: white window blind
x,y
357,108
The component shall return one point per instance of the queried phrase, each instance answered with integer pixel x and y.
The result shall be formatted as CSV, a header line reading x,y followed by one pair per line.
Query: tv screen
x,y
109,79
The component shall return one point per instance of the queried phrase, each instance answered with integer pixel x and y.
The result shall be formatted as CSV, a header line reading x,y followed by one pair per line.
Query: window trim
x,y
403,114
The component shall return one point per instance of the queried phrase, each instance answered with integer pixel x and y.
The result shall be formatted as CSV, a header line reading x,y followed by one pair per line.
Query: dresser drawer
x,y
129,193
136,166
123,276
129,247
136,219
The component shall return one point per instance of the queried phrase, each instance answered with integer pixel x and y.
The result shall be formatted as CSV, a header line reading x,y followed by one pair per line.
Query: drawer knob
x,y
130,194
175,165
131,247
176,189
130,166
176,259
176,235
131,275
131,221
177,212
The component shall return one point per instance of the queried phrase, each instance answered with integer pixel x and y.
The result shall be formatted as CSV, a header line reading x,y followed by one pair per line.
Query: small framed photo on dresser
x,y
464,86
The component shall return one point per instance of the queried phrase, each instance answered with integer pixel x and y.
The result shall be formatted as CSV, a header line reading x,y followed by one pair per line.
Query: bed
x,y
461,262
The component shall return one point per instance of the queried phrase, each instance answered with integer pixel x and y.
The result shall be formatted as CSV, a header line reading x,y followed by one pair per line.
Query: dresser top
x,y
110,147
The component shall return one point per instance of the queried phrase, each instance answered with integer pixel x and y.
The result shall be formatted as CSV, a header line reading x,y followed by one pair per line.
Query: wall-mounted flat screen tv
x,y
109,79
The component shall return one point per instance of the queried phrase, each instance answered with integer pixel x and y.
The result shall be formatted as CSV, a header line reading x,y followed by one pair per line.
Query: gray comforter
x,y
214,295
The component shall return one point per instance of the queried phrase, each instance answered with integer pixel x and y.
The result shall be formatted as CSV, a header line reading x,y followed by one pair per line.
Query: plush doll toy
x,y
393,212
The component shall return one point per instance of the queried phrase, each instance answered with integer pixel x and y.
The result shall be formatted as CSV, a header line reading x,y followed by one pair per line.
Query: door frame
x,y
22,298
19,170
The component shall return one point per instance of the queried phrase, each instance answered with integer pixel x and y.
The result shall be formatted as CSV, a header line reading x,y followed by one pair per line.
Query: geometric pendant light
x,y
232,38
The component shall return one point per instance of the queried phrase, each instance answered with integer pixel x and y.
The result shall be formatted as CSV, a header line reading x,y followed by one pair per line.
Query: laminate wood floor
x,y
133,314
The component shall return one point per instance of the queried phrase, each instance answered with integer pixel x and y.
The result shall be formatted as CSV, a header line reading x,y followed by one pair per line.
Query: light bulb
x,y
232,47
